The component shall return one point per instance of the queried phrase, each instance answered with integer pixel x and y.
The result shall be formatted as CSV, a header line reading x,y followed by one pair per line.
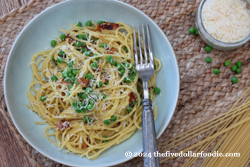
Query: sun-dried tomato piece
x,y
132,97
83,82
70,38
62,124
111,51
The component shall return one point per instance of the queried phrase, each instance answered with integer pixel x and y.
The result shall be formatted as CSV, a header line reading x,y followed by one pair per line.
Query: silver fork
x,y
146,70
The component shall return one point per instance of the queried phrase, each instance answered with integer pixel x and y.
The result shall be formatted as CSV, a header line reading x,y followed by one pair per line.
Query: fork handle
x,y
149,135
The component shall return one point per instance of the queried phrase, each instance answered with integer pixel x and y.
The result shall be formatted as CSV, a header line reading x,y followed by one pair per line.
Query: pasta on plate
x,y
89,93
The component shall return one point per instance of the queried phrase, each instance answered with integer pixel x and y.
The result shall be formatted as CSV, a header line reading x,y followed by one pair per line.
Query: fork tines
x,y
151,61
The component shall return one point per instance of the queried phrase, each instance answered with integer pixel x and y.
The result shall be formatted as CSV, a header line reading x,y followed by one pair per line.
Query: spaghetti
x,y
232,132
89,90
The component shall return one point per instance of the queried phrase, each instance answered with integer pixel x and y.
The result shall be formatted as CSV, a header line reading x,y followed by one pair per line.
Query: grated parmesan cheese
x,y
226,20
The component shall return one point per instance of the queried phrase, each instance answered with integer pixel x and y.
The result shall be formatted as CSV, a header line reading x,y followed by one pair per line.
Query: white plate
x,y
36,37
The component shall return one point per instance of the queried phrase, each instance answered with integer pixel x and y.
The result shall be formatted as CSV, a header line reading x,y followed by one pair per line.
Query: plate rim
x,y
39,15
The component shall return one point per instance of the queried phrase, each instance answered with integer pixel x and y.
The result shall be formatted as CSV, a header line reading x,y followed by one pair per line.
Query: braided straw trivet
x,y
203,95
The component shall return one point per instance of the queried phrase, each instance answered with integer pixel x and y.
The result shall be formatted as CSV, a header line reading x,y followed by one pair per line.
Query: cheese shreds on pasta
x,y
226,20
89,90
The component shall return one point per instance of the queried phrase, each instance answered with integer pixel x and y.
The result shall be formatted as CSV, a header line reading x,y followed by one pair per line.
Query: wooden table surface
x,y
11,154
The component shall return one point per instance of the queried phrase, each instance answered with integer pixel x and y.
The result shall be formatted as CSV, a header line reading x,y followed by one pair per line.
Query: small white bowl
x,y
211,41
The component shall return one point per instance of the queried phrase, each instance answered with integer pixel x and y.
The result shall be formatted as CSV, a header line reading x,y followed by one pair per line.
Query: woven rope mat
x,y
203,95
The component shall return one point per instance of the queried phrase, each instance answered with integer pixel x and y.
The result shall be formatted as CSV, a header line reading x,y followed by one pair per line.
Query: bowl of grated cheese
x,y
224,24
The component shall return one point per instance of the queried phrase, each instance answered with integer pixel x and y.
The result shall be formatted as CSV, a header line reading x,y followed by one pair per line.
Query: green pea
x,y
104,96
77,109
68,94
85,119
70,86
54,78
53,58
135,72
76,82
208,49
83,50
127,65
89,23
192,30
234,80
216,71
59,59
81,36
84,109
53,43
113,62
67,79
234,68
79,24
109,58
113,118
83,104
107,122
100,22
99,84
107,82
69,70
238,71
75,71
74,104
122,71
73,79
78,44
138,89
62,37
90,120
94,65
95,40
125,49
227,63
90,106
64,75
127,79
43,98
133,76
104,45
70,63
91,101
132,67
157,90
97,57
238,64
88,90
104,141
208,60
129,109
196,32
119,66
84,96
86,37
89,76
88,53
62,53
70,75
